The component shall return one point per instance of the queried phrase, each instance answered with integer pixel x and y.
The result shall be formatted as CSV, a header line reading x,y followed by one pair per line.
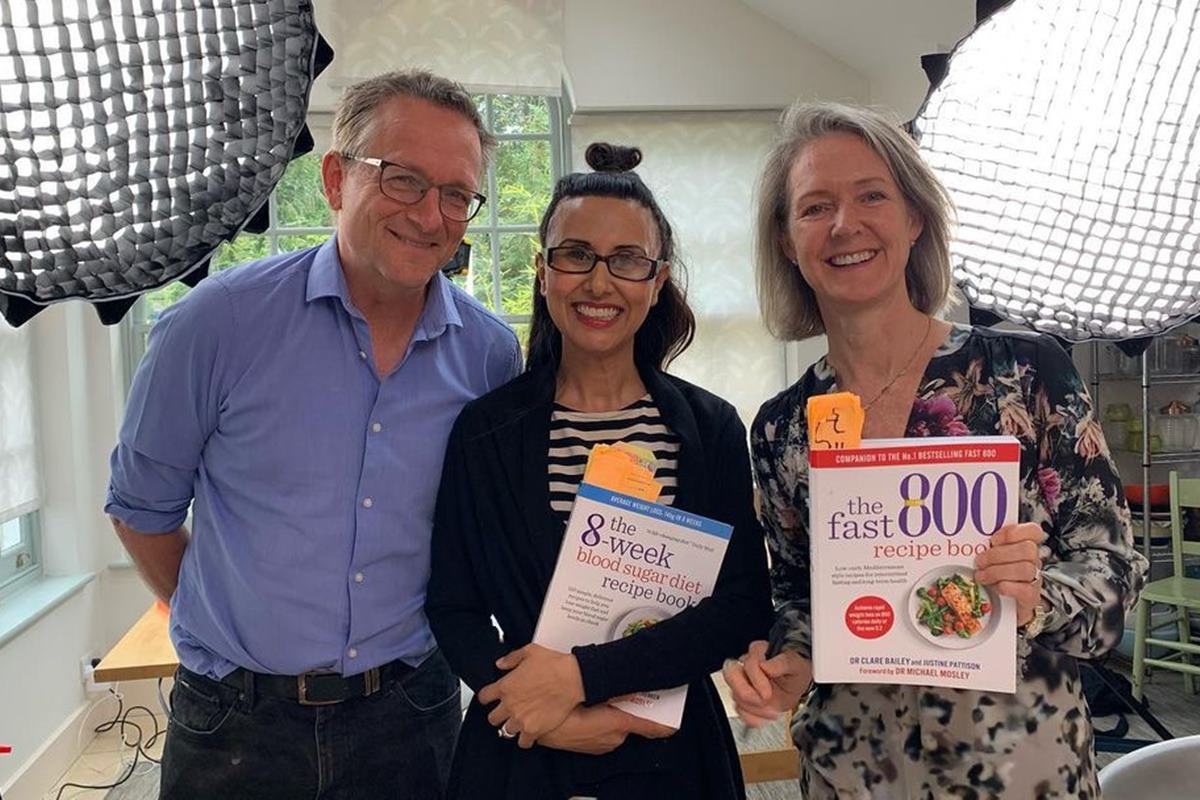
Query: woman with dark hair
x,y
608,316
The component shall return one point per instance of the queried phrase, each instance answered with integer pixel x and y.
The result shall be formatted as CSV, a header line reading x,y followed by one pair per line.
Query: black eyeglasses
x,y
626,266
404,185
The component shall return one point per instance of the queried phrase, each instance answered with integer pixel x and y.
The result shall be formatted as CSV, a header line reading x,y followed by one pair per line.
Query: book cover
x,y
895,526
625,565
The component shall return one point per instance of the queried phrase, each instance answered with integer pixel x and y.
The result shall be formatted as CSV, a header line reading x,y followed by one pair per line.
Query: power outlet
x,y
87,673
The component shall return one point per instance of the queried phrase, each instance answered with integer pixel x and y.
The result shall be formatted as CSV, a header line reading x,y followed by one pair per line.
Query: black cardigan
x,y
495,544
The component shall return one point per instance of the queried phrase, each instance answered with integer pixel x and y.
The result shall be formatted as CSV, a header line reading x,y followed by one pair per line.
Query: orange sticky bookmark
x,y
835,421
620,470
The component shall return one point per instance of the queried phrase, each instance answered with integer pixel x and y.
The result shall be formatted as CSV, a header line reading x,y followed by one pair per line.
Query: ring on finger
x,y
504,733
1037,575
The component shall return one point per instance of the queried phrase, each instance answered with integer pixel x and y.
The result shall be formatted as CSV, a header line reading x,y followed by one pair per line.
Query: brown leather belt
x,y
320,688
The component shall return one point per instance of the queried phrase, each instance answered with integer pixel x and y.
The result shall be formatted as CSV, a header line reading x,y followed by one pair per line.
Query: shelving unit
x,y
1159,379
1147,379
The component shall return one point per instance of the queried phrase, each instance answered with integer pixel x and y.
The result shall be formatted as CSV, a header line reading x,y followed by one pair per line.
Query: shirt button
x,y
362,354
375,426
368,502
353,653
358,577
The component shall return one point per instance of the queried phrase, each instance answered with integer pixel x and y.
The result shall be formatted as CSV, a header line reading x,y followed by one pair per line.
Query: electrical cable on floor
x,y
140,744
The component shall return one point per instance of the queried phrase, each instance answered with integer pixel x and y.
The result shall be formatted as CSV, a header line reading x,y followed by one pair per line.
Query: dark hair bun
x,y
605,157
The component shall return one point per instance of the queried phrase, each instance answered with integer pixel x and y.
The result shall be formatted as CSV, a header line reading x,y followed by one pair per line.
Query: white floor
x,y
107,759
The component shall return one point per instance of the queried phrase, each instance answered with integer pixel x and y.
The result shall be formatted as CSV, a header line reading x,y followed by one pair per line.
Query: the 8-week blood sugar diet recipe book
x,y
627,564
895,527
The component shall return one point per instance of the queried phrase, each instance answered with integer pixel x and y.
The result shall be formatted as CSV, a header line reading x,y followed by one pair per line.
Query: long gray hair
x,y
788,304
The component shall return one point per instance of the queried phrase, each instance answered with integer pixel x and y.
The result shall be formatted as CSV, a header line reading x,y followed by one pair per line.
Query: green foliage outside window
x,y
300,196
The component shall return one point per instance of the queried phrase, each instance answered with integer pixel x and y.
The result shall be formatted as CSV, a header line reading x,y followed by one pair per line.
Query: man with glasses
x,y
301,405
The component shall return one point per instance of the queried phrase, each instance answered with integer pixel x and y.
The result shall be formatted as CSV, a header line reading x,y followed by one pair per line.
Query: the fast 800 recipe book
x,y
895,525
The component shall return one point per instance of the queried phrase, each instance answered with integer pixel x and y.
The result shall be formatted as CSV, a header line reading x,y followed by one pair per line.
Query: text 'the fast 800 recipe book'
x,y
895,528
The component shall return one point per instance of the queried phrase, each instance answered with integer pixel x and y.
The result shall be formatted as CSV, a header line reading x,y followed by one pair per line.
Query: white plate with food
x,y
949,608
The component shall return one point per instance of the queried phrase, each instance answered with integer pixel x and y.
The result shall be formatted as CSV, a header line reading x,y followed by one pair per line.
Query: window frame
x,y
22,562
492,227
136,326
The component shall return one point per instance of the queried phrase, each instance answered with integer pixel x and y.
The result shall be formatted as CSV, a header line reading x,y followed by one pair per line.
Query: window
x,y
503,236
18,549
527,162
20,478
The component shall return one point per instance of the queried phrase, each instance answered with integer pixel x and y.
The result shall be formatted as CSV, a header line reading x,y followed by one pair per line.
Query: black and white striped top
x,y
573,433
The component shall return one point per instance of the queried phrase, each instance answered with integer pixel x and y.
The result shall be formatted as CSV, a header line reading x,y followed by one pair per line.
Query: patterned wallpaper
x,y
702,167
511,46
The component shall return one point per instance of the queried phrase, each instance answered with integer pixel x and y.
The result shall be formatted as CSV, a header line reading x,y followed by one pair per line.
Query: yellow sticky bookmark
x,y
835,421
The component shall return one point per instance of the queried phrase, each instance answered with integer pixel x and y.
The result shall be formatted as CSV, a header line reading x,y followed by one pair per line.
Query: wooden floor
x,y
105,759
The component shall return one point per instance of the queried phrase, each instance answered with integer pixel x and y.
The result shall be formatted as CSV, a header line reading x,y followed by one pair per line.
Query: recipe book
x,y
627,564
895,525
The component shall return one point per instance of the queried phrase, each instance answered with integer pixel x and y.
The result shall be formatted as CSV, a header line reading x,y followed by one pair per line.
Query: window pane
x,y
522,329
517,271
246,247
478,279
480,101
517,113
522,181
10,534
160,300
300,241
299,198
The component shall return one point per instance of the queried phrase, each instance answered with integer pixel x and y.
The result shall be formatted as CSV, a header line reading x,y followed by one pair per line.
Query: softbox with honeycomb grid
x,y
136,136
1067,134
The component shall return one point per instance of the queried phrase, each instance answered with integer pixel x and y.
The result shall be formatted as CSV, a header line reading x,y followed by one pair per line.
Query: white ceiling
x,y
868,35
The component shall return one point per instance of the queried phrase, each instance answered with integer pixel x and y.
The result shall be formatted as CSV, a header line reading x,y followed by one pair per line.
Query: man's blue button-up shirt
x,y
314,478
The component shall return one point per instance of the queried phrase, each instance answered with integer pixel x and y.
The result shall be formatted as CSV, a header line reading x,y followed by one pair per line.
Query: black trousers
x,y
396,744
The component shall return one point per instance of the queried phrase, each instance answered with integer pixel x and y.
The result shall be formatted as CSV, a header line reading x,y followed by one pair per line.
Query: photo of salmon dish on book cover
x,y
949,608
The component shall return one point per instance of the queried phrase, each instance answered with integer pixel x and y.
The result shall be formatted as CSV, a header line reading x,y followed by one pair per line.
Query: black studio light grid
x,y
138,135
1067,133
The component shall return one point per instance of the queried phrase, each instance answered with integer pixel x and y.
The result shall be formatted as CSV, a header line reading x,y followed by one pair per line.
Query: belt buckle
x,y
372,679
302,692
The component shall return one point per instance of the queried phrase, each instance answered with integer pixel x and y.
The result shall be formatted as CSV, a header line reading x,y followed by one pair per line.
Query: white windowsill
x,y
27,605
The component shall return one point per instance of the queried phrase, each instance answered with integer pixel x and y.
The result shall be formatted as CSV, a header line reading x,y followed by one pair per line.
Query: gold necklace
x,y
902,372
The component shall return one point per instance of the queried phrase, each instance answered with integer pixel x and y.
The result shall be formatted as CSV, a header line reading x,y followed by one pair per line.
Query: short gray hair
x,y
788,304
353,121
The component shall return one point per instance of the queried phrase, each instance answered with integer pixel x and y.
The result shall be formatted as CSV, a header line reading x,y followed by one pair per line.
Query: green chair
x,y
1179,591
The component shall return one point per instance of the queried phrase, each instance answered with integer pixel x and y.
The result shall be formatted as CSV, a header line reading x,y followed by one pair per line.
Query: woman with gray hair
x,y
853,232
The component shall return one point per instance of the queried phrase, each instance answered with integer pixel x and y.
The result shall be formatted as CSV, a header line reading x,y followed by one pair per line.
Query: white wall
x,y
883,41
79,393
901,88
692,54
702,168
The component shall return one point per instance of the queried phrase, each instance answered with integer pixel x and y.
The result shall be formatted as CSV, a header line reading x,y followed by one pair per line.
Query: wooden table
x,y
145,651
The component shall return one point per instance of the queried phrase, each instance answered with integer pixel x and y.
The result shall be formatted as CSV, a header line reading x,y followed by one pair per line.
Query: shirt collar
x,y
441,311
326,279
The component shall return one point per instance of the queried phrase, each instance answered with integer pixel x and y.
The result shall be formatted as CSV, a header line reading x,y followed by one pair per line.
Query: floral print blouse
x,y
902,742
